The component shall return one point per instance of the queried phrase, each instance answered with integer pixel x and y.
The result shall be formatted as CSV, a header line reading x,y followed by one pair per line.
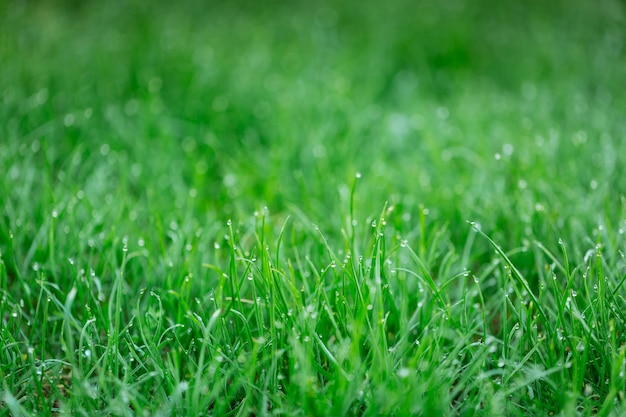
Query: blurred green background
x,y
506,113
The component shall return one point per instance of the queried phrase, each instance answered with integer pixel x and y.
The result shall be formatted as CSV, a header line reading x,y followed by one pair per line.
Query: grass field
x,y
312,208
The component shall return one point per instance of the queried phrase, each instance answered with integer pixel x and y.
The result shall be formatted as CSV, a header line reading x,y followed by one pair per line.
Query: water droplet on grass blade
x,y
476,225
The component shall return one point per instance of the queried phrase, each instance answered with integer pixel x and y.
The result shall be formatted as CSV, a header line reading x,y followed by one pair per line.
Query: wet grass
x,y
312,209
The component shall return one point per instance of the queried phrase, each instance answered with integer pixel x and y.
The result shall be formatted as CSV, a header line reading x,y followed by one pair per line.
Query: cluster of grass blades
x,y
131,134
284,322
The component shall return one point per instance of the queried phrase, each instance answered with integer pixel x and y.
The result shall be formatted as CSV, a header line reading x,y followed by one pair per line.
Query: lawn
x,y
401,208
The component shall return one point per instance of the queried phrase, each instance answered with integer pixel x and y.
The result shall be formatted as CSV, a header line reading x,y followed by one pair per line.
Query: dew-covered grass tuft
x,y
314,208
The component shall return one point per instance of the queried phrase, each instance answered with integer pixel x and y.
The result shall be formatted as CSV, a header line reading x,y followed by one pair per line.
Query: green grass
x,y
316,208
